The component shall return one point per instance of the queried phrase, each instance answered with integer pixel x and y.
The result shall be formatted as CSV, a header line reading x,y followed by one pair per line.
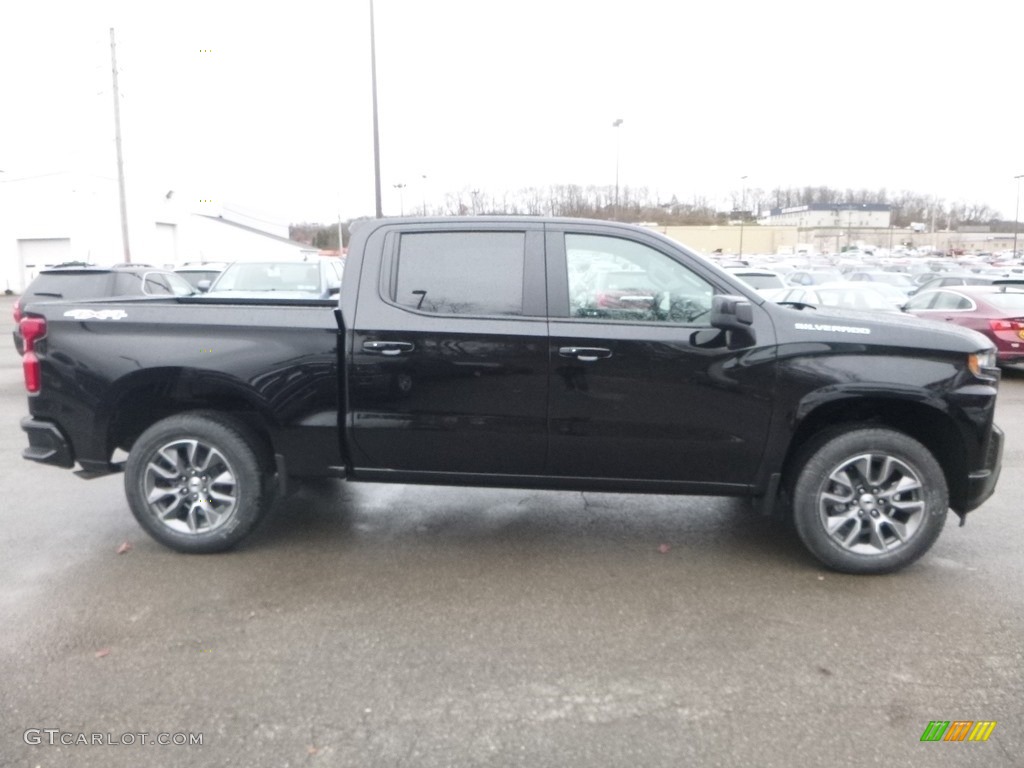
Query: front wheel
x,y
869,500
196,482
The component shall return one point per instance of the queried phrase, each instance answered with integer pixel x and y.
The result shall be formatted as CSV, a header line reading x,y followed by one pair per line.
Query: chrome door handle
x,y
389,348
585,354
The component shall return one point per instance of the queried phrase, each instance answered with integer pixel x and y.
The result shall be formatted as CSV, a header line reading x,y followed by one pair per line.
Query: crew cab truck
x,y
485,351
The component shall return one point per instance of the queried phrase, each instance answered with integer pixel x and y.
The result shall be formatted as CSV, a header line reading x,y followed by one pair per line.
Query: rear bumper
x,y
47,444
982,484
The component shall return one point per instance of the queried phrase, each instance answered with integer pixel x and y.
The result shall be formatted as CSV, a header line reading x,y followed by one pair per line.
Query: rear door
x,y
642,387
449,353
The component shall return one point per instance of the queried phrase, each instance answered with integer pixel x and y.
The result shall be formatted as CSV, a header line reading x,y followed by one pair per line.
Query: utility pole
x,y
743,208
120,157
376,132
1016,215
616,125
401,197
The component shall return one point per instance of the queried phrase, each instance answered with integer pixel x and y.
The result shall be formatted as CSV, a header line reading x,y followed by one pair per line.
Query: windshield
x,y
270,276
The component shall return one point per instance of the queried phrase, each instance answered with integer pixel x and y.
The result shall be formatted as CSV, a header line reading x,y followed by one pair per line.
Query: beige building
x,y
756,239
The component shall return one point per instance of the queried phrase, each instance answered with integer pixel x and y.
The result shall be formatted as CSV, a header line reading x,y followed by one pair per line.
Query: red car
x,y
994,310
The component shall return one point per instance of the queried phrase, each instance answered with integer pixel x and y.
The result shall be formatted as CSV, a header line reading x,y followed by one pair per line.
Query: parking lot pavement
x,y
406,626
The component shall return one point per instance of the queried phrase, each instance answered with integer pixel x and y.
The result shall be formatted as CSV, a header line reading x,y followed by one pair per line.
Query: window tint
x,y
615,279
922,300
949,300
156,285
461,273
70,285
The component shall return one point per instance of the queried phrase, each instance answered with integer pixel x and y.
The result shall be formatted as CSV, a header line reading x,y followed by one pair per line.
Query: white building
x,y
830,215
55,218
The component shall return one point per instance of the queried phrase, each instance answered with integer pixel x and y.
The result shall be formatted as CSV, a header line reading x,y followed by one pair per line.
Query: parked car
x,y
761,280
899,280
317,279
86,281
201,274
997,311
872,297
814,276
946,280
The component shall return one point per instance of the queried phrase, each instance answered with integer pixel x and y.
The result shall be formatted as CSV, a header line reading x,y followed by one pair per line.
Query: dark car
x,y
994,310
317,279
85,281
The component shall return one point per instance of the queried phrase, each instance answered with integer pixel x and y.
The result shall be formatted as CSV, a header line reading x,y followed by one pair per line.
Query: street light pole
x,y
743,207
376,131
401,197
1016,214
616,124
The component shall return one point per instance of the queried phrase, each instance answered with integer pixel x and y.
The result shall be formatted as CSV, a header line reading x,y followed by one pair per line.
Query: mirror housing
x,y
731,313
735,316
204,285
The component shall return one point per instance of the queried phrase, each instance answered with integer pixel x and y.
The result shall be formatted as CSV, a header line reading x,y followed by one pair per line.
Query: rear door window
x,y
460,273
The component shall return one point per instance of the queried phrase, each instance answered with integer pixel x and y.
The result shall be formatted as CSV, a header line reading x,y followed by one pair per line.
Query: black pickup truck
x,y
522,352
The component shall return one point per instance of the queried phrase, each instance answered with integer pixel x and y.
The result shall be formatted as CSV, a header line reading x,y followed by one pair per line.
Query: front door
x,y
642,387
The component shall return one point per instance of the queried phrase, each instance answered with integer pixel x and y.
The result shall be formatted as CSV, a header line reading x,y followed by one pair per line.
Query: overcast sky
x,y
267,105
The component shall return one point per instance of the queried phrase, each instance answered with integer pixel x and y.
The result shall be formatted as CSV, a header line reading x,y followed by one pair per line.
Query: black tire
x,y
198,482
868,500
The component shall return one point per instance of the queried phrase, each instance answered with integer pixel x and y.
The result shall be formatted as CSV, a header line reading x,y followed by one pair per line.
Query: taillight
x,y
17,311
30,367
1006,325
32,330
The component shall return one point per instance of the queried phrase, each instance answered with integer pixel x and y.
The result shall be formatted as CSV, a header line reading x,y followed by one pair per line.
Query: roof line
x,y
255,231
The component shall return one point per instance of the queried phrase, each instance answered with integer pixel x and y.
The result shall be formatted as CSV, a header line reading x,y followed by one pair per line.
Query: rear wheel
x,y
197,482
869,500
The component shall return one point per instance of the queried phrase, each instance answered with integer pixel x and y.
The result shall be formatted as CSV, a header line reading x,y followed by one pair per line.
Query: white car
x,y
871,297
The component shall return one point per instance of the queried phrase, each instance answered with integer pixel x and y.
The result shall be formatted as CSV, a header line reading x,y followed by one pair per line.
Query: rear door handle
x,y
585,354
389,348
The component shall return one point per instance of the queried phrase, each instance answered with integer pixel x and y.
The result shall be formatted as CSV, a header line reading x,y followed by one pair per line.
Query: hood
x,y
876,328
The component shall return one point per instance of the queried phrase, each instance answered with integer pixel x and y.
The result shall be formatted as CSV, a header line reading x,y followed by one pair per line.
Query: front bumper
x,y
47,444
982,484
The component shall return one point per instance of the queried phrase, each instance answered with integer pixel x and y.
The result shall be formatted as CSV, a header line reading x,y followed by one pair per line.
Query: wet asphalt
x,y
369,625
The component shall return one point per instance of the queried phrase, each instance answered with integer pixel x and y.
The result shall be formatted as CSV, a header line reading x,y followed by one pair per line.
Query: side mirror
x,y
735,316
203,285
731,313
333,287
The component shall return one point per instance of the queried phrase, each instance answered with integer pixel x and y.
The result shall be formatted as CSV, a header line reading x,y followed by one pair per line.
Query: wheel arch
x,y
142,399
932,427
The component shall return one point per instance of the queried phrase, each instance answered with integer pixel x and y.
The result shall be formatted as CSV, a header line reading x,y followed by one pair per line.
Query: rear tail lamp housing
x,y
32,330
1006,325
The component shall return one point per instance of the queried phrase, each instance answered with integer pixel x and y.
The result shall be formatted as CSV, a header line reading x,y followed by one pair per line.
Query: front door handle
x,y
585,354
389,348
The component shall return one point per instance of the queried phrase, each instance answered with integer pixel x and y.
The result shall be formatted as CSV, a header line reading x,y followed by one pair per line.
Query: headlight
x,y
981,360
